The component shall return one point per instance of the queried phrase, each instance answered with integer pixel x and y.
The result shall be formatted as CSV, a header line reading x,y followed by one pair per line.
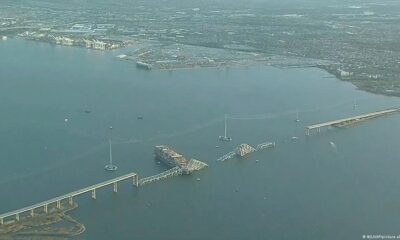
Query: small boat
x,y
110,127
140,117
198,179
257,160
87,111
294,138
217,146
66,120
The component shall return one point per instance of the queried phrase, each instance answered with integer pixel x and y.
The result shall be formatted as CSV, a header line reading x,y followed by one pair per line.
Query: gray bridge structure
x,y
69,197
351,120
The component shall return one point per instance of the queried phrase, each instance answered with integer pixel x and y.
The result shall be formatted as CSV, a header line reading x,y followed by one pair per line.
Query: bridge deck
x,y
68,195
175,171
369,115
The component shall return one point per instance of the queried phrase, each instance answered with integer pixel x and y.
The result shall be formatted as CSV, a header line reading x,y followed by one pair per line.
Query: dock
x,y
349,121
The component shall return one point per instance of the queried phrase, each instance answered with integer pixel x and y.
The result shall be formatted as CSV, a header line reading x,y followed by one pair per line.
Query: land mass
x,y
357,41
55,225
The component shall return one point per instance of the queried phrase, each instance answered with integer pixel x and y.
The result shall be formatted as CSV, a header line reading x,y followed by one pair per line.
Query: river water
x,y
304,189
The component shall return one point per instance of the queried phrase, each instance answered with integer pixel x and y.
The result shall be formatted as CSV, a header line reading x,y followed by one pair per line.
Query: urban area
x,y
355,42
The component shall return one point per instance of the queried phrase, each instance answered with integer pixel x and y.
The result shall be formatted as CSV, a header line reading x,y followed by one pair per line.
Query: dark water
x,y
303,189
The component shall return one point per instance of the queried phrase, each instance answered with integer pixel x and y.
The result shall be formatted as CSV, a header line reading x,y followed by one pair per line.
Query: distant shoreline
x,y
375,86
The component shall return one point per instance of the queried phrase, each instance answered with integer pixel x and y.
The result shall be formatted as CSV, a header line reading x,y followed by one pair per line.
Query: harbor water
x,y
339,184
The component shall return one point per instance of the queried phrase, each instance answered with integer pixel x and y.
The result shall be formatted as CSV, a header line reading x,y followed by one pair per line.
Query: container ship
x,y
174,159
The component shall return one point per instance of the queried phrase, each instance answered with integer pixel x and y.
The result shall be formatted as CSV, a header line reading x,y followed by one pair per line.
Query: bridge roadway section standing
x,y
350,120
70,196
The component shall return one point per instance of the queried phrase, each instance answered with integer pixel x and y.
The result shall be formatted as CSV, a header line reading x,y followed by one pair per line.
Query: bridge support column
x,y
115,189
318,130
17,216
1,221
45,208
136,180
59,204
94,194
308,132
70,201
32,212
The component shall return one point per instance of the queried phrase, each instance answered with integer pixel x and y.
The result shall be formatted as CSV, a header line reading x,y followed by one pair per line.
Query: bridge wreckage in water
x,y
178,163
245,149
174,159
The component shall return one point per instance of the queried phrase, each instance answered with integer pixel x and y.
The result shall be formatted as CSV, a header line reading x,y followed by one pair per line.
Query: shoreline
x,y
41,226
360,84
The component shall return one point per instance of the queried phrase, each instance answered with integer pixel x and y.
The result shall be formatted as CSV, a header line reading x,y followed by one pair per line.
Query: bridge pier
x,y
308,132
136,180
115,188
318,130
57,202
94,193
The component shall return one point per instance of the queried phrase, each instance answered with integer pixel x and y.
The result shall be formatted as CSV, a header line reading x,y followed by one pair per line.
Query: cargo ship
x,y
173,159
170,157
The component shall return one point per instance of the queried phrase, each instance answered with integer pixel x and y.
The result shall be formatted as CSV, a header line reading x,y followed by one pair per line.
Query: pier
x,y
69,197
349,121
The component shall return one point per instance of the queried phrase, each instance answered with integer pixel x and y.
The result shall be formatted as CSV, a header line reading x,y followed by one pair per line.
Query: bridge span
x,y
351,120
176,171
69,196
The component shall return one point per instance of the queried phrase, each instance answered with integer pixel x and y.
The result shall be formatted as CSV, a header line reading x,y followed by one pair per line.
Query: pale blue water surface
x,y
304,189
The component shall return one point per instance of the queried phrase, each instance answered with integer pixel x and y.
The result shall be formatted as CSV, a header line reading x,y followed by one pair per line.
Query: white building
x,y
344,73
99,45
68,41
